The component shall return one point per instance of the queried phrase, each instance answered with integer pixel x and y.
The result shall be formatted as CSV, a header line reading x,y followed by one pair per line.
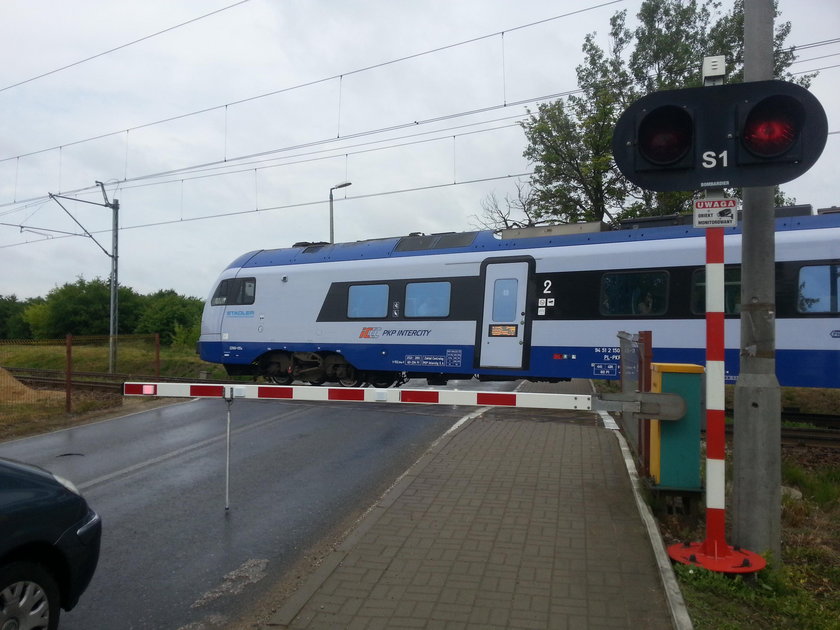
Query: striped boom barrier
x,y
362,394
714,553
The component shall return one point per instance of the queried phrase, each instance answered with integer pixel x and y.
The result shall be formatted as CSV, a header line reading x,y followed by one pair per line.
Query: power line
x,y
825,42
254,211
317,143
817,69
113,50
226,166
313,82
243,167
815,58
237,164
334,77
226,169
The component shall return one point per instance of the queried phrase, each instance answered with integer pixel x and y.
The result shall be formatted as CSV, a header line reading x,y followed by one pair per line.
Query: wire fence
x,y
42,380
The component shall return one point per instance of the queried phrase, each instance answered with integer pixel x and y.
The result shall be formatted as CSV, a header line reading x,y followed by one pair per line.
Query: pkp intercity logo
x,y
370,333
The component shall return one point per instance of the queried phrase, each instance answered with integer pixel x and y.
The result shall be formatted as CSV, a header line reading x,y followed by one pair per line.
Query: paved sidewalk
x,y
518,519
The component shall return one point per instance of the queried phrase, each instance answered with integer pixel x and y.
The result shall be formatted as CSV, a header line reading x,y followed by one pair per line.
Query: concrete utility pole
x,y
113,255
115,284
757,439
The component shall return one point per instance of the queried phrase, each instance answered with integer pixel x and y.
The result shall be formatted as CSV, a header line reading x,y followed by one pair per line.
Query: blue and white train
x,y
538,303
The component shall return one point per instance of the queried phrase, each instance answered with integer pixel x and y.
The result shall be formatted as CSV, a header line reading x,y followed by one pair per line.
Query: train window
x,y
367,301
504,299
235,291
731,291
427,299
634,293
819,286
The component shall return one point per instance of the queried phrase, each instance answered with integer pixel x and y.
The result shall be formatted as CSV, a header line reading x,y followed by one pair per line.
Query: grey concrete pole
x,y
756,508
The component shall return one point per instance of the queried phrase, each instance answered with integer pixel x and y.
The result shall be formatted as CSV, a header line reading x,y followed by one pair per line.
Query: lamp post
x,y
336,187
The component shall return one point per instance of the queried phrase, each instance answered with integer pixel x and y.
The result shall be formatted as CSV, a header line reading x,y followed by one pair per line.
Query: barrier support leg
x,y
229,402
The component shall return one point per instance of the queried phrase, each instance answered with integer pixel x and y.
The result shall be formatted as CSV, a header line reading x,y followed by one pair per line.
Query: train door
x,y
504,333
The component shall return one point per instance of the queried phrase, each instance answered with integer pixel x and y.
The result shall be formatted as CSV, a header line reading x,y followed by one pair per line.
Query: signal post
x,y
753,135
757,449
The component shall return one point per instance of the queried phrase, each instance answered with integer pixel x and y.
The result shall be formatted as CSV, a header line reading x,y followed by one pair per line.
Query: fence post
x,y
157,355
68,375
644,426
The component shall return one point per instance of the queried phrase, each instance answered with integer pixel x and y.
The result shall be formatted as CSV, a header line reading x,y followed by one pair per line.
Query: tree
x,y
518,211
569,141
12,324
81,308
169,314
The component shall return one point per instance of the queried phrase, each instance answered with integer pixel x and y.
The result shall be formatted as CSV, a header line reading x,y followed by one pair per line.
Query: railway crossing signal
x,y
760,133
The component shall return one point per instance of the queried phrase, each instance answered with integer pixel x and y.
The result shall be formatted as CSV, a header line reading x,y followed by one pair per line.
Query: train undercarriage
x,y
316,368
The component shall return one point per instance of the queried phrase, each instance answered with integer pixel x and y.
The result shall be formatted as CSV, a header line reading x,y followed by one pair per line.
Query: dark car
x,y
49,546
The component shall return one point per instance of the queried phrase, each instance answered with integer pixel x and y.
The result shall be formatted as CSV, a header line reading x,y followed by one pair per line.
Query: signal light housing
x,y
742,134
665,136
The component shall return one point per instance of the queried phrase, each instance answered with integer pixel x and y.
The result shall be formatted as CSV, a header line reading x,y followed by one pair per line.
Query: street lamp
x,y
336,187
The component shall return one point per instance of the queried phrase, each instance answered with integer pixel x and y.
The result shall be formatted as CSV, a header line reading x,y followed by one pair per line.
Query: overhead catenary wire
x,y
225,166
254,211
228,160
314,82
121,46
323,79
257,166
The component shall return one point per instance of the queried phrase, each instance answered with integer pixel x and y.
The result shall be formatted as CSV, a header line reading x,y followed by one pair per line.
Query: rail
x,y
825,431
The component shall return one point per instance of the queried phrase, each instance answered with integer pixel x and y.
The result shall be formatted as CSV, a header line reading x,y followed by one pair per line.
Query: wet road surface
x,y
172,556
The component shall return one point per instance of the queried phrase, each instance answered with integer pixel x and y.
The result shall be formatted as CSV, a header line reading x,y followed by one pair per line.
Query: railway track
x,y
824,430
42,382
799,436
87,381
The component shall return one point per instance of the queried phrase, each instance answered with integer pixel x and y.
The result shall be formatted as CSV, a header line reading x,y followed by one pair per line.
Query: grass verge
x,y
803,591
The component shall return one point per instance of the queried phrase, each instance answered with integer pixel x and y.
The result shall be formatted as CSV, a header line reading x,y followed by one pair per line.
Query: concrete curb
x,y
673,594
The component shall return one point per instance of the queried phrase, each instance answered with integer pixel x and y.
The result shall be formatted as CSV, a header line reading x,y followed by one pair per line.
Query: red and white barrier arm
x,y
361,394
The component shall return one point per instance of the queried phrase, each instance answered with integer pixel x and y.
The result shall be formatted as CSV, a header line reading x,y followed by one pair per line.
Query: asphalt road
x,y
172,556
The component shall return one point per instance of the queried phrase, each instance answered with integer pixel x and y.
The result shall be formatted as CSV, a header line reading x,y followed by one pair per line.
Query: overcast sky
x,y
224,135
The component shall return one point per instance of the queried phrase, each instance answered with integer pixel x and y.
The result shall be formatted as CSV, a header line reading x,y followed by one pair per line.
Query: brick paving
x,y
516,520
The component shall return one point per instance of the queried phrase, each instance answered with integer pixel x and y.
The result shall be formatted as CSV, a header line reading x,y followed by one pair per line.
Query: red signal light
x,y
772,126
759,133
665,135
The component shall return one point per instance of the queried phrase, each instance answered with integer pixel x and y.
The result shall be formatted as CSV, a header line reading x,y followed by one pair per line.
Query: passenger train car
x,y
534,304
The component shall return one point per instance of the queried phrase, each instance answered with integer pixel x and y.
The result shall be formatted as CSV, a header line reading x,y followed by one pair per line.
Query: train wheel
x,y
351,377
278,371
381,379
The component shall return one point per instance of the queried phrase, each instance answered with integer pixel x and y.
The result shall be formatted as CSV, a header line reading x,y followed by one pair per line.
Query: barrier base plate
x,y
728,560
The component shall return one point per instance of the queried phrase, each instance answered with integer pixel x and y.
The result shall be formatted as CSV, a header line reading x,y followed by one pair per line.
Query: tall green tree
x,y
81,308
569,141
12,324
169,314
